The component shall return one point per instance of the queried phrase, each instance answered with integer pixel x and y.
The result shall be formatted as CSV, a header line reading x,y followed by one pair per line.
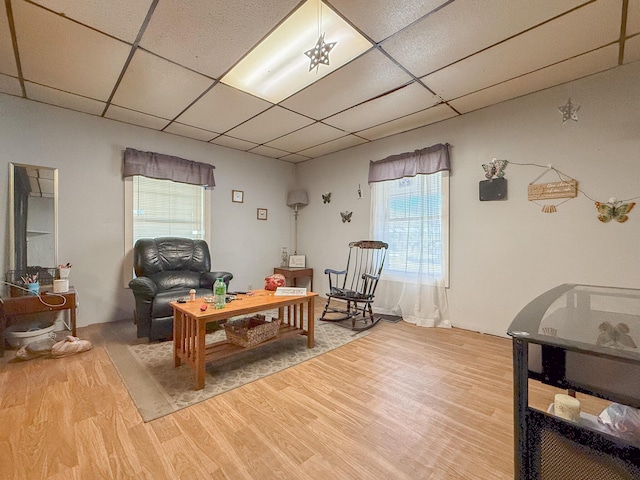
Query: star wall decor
x,y
320,53
569,111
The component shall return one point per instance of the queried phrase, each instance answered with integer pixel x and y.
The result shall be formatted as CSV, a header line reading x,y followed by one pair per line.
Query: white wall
x,y
88,150
504,253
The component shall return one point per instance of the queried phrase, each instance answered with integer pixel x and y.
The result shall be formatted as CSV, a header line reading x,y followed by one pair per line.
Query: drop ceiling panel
x,y
587,64
7,57
632,49
44,173
381,18
467,26
271,124
158,87
633,17
268,152
10,85
136,118
59,53
209,36
583,30
410,122
366,77
333,146
222,108
306,137
59,98
40,186
294,158
120,18
190,132
74,54
409,99
235,143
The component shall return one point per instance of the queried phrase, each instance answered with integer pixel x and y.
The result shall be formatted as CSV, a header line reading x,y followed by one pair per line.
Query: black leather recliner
x,y
166,269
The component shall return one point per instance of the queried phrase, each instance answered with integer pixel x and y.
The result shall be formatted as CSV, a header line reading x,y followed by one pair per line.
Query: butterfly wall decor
x,y
326,197
346,216
495,168
614,210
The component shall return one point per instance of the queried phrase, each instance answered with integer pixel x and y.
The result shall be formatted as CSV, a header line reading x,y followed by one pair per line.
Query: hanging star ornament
x,y
569,112
320,53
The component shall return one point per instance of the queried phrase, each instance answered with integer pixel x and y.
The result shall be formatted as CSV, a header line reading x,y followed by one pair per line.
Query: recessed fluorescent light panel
x,y
278,67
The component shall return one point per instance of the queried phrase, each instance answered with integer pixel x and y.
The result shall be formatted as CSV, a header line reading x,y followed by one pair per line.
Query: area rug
x,y
158,388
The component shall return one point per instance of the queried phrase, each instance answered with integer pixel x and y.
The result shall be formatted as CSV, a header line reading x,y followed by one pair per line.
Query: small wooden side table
x,y
24,304
293,273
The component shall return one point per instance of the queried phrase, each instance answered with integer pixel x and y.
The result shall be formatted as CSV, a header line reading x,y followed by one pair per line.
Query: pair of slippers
x,y
50,348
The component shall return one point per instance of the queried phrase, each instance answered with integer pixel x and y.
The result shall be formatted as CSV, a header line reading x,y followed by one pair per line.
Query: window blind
x,y
165,208
411,222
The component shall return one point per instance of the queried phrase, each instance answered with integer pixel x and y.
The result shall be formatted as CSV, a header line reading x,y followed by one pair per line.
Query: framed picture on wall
x,y
237,196
262,214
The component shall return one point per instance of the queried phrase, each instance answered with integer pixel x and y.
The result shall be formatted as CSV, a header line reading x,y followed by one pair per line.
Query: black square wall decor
x,y
495,189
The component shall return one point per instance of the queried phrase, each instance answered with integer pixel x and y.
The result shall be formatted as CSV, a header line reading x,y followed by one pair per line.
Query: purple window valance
x,y
167,167
425,161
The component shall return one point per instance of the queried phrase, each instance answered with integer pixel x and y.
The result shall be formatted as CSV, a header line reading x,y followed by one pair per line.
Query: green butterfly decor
x,y
614,211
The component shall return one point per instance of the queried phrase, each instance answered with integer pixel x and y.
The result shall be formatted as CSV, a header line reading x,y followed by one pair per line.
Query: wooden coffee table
x,y
189,326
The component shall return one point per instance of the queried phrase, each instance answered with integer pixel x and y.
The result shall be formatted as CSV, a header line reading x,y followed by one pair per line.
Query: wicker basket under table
x,y
251,331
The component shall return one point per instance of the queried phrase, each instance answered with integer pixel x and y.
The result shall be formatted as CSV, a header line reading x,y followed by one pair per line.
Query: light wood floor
x,y
402,403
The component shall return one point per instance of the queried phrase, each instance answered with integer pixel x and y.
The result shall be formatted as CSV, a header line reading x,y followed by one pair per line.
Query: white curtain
x,y
411,215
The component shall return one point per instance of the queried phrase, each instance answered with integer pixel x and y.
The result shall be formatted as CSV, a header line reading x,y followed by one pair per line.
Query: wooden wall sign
x,y
544,191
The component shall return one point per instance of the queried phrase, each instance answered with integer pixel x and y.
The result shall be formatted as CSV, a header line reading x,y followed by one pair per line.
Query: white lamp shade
x,y
297,198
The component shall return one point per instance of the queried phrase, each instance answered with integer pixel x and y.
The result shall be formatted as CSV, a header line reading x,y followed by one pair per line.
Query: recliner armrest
x,y
207,279
143,287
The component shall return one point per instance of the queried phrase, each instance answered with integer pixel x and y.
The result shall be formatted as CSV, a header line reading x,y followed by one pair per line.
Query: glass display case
x,y
582,338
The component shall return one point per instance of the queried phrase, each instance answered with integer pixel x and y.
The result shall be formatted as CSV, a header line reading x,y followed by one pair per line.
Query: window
x,y
411,214
162,208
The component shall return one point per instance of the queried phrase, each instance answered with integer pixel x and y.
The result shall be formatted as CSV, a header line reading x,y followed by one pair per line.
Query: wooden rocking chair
x,y
356,285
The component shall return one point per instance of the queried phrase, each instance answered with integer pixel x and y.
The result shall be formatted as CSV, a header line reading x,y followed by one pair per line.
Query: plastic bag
x,y
274,281
622,419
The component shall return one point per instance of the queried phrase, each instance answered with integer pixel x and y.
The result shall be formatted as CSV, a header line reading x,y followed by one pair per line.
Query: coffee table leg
x,y
200,355
310,322
177,337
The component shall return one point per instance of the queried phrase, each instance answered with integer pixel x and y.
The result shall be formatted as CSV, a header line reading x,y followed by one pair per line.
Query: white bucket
x,y
61,286
23,334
